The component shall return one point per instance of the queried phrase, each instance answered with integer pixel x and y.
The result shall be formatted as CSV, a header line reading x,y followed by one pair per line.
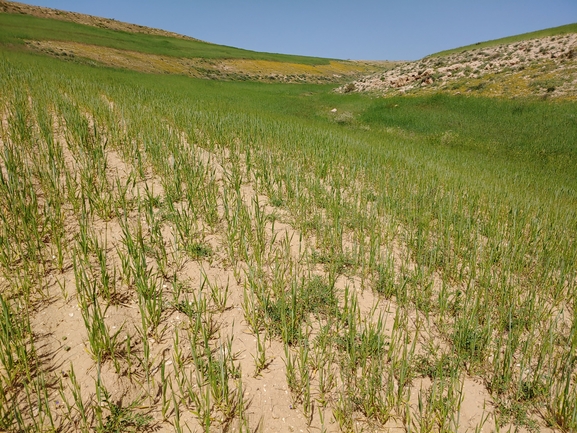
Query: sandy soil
x,y
62,339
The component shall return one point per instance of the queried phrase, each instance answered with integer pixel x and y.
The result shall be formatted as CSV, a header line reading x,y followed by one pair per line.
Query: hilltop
x,y
89,20
544,66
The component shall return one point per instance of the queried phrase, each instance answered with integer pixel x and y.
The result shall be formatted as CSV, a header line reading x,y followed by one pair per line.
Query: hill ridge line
x,y
11,7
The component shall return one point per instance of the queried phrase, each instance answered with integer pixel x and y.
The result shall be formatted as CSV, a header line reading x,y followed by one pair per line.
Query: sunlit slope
x,y
75,17
163,53
553,31
539,64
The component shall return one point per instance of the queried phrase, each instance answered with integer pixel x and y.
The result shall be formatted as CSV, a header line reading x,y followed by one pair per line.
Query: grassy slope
x,y
531,140
14,29
511,145
554,31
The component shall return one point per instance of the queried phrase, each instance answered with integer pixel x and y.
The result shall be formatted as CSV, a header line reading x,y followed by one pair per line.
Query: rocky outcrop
x,y
558,53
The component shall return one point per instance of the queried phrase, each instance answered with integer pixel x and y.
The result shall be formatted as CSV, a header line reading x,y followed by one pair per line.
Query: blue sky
x,y
344,29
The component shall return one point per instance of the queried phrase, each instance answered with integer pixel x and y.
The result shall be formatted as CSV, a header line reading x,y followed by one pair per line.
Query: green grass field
x,y
169,246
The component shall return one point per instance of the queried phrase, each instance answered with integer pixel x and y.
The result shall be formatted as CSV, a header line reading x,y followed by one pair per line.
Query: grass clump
x,y
124,419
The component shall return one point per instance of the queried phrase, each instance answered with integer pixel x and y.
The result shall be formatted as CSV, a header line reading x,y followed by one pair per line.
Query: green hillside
x,y
92,42
15,29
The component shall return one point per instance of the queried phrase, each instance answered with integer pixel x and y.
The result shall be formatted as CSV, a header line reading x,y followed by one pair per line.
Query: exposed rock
x,y
555,54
